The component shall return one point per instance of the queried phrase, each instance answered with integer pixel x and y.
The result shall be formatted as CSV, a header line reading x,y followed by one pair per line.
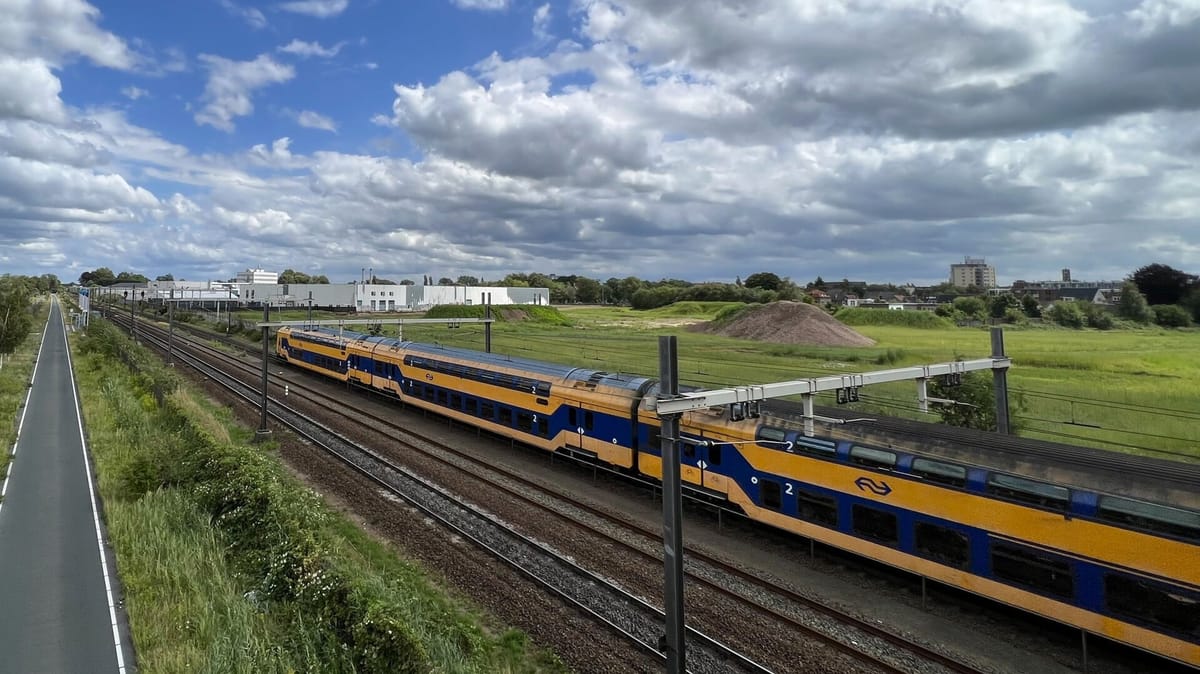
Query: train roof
x,y
1085,467
564,373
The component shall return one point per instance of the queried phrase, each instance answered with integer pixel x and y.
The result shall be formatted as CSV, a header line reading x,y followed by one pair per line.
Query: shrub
x,y
1171,316
1066,314
910,319
1015,315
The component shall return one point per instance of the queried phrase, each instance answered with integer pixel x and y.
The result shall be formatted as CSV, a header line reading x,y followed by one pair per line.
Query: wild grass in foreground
x,y
229,565
14,384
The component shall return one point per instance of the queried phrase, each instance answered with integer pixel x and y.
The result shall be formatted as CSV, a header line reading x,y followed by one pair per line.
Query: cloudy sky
x,y
697,139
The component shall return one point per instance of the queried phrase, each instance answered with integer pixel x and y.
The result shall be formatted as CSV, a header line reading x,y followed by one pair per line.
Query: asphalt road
x,y
55,614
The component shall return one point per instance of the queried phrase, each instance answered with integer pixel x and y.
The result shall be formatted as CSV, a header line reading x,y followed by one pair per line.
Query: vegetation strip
x,y
14,382
230,566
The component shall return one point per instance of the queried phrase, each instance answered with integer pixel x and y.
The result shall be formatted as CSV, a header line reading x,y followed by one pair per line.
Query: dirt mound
x,y
514,315
788,323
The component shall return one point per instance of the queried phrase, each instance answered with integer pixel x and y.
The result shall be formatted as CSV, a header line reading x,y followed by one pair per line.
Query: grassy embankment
x,y
229,565
1116,379
14,384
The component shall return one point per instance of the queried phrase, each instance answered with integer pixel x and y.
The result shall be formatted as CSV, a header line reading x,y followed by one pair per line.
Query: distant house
x,y
1093,295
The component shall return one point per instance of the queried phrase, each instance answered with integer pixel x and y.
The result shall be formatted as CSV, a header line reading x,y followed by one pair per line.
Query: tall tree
x,y
1029,305
1191,302
15,321
1161,284
130,277
102,276
999,305
588,291
975,401
165,277
764,280
1133,305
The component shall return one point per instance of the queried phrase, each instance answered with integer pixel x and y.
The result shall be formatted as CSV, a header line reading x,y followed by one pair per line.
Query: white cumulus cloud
x,y
251,15
322,9
313,120
541,22
231,84
134,93
306,49
487,5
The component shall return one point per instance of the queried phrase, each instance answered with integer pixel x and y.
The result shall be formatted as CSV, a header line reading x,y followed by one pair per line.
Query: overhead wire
x,y
530,343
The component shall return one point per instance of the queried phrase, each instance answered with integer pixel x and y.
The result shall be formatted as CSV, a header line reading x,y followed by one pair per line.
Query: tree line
x,y
1162,295
16,307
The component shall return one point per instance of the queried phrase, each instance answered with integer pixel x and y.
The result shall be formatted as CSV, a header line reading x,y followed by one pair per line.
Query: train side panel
x,y
325,358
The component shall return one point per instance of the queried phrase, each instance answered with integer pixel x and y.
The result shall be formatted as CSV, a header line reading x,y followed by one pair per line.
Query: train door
x,y
575,424
701,463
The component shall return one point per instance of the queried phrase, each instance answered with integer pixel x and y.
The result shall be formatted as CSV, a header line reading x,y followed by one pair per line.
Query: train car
x,y
321,351
1121,567
1065,541
584,412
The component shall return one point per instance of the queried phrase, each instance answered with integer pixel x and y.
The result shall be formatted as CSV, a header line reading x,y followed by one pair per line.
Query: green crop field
x,y
1129,390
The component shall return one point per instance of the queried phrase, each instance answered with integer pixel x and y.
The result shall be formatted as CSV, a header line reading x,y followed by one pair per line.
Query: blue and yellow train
x,y
1121,560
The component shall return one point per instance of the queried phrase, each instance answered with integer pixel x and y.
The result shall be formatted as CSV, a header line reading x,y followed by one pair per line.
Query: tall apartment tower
x,y
973,272
1066,275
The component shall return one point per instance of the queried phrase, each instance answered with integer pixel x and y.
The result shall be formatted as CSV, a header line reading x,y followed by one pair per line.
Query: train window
x,y
472,406
875,458
572,416
1172,608
506,416
525,421
771,437
487,410
542,389
940,471
817,508
875,524
942,544
1152,516
1033,568
589,420
429,392
442,398
688,450
814,445
655,440
1028,491
772,497
543,428
714,454
456,400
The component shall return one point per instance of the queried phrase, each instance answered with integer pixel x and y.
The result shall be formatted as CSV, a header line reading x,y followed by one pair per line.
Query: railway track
x,y
606,602
778,608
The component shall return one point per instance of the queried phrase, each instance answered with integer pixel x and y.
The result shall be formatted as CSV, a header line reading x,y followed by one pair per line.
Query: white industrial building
x,y
358,297
257,276
373,297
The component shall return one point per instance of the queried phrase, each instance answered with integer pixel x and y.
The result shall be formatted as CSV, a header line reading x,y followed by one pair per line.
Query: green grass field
x,y
1140,387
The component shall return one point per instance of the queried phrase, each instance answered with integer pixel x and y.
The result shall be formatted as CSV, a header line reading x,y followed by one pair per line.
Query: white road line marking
x,y
112,604
21,424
